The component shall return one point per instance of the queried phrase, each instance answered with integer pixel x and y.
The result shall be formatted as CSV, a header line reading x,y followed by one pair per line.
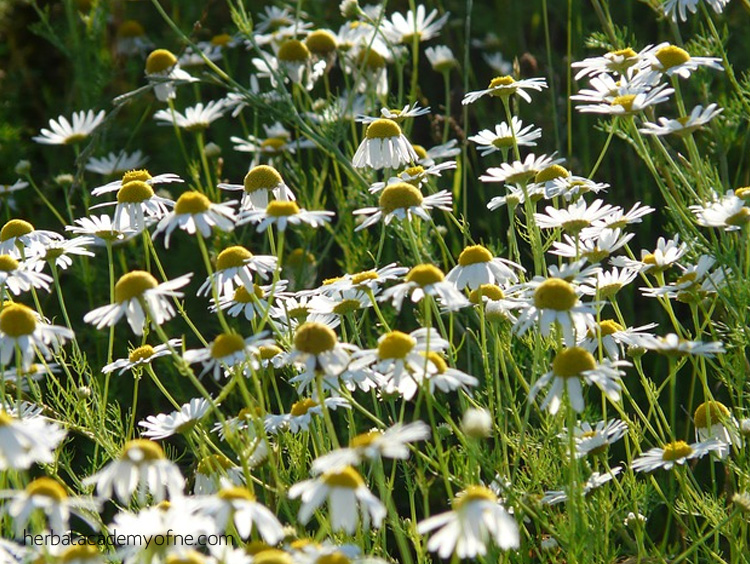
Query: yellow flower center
x,y
267,352
130,29
47,487
262,177
333,558
299,313
221,40
400,195
556,294
236,493
213,464
273,144
575,225
8,263
159,61
293,51
345,478
503,86
141,353
364,276
626,53
277,208
133,284
420,151
302,407
425,275
364,440
151,450
321,42
5,419
131,175
474,254
383,129
605,328
192,203
550,173
187,557
346,306
491,291
414,171
232,257
15,228
672,56
743,192
314,338
81,553
372,60
134,192
17,320
227,344
739,218
438,361
676,450
626,101
571,362
272,556
471,494
595,255
714,411
503,142
242,296
395,345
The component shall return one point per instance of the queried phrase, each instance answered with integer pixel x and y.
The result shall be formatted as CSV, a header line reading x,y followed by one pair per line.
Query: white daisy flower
x,y
425,280
391,443
596,440
400,29
139,356
17,235
261,182
428,157
283,213
619,218
60,251
503,137
672,60
477,266
384,146
136,174
520,172
116,163
504,86
596,480
676,452
407,112
49,496
195,213
614,338
477,518
515,195
729,213
605,88
346,492
713,420
136,294
137,204
27,440
344,302
64,132
164,73
214,472
417,175
235,266
141,468
165,425
21,276
571,366
674,8
575,217
672,345
249,302
403,201
630,103
441,58
699,116
596,249
571,186
22,331
301,413
624,62
695,283
237,505
195,118
101,229
365,280
666,254
227,351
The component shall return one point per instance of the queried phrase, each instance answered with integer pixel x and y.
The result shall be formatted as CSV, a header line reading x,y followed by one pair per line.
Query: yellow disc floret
x,y
47,487
472,494
314,338
321,42
555,294
227,344
395,344
550,173
141,353
625,101
233,257
293,51
302,407
8,263
714,411
400,195
474,254
571,362
134,192
262,177
213,464
192,203
148,451
237,492
671,56
279,208
383,129
17,320
364,440
133,284
143,175
15,228
425,275
159,61
490,291
81,553
676,450
347,477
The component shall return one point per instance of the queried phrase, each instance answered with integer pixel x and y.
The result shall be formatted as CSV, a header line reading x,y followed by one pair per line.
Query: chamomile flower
x,y
164,73
235,267
674,8
477,266
673,345
403,201
64,132
116,163
140,356
301,414
427,280
399,116
249,302
195,118
571,367
417,175
346,492
165,425
624,62
17,235
342,303
441,58
24,333
195,213
503,137
136,205
27,440
21,276
260,183
51,497
237,505
400,29
554,301
729,213
595,249
666,254
619,218
142,175
384,146
137,294
630,103
699,116
372,445
225,352
575,217
672,60
477,518
101,229
215,471
281,214
713,420
516,195
141,468
595,440
676,452
614,338
428,157
571,186
59,251
596,480
505,86
520,172
696,282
